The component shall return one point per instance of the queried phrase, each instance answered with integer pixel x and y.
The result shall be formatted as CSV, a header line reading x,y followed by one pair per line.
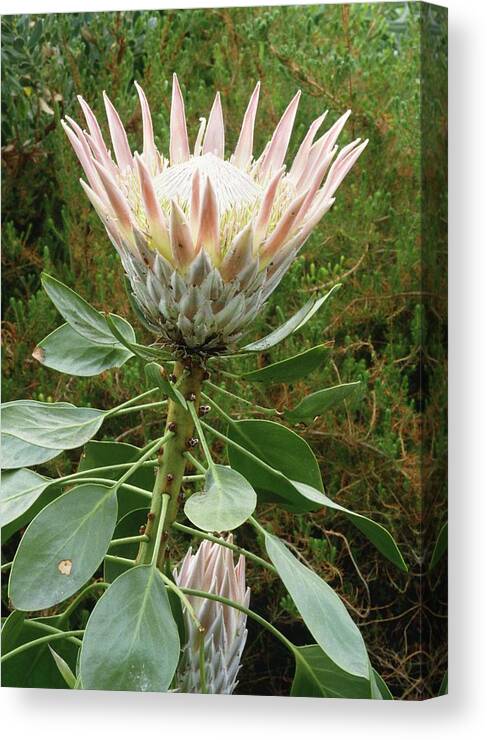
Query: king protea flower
x,y
212,569
205,239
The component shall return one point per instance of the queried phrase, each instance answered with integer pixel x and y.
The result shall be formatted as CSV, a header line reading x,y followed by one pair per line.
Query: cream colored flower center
x,y
233,188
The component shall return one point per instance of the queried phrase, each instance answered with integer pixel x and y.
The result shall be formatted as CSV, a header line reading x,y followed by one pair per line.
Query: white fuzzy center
x,y
233,188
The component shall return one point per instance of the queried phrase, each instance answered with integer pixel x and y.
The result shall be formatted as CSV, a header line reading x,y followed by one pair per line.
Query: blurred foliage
x,y
373,456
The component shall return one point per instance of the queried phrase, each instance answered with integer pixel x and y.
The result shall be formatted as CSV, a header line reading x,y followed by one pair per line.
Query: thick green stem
x,y
156,446
172,463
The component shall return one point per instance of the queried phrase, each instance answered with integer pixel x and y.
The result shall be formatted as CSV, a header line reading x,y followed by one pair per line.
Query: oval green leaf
x,y
62,547
11,630
19,490
56,426
319,402
376,533
322,610
440,546
285,452
131,641
68,352
82,317
293,368
63,669
227,501
443,690
17,453
53,491
291,325
316,675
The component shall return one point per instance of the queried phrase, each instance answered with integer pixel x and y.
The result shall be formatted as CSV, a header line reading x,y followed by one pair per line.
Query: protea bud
x,y
205,240
212,569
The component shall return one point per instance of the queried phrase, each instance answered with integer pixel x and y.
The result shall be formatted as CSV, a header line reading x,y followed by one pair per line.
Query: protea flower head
x,y
212,569
205,240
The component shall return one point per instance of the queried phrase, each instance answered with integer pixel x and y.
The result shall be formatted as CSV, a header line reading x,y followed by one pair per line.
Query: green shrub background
x,y
372,453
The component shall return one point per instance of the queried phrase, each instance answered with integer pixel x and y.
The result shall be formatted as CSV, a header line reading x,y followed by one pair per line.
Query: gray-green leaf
x,y
288,454
19,490
62,547
17,453
63,669
375,532
68,352
227,502
316,675
292,368
321,401
131,641
82,317
440,547
56,426
321,609
291,325
11,630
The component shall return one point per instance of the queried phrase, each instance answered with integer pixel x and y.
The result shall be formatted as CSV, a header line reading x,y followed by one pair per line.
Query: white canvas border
x,y
46,714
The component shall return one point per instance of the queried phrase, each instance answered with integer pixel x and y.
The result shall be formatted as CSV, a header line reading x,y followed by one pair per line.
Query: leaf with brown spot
x,y
65,567
74,528
68,352
39,354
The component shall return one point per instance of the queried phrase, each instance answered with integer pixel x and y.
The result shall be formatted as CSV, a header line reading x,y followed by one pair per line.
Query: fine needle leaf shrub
x,y
204,241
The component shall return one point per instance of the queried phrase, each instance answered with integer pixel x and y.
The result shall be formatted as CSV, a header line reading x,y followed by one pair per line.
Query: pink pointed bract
x,y
205,240
212,569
